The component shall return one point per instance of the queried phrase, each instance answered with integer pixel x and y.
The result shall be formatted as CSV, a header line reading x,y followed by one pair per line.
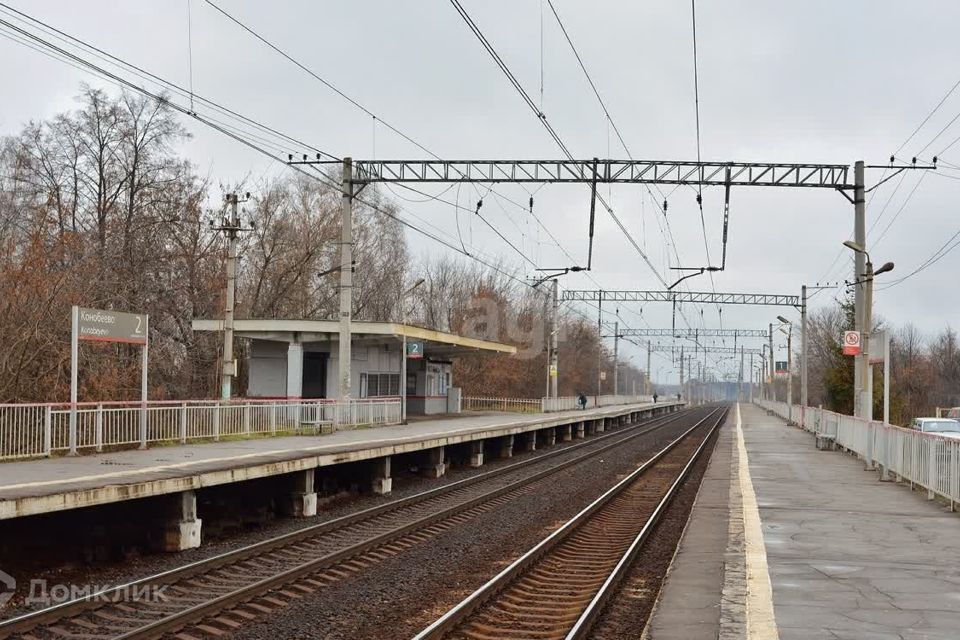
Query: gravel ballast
x,y
136,566
399,596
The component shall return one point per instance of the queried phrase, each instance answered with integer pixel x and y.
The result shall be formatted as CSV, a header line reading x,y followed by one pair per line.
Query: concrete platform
x,y
793,543
54,484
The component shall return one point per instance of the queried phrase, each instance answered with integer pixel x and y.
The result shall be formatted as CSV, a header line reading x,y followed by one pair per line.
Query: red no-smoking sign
x,y
851,343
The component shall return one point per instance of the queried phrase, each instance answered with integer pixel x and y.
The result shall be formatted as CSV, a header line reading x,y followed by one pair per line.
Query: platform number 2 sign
x,y
415,350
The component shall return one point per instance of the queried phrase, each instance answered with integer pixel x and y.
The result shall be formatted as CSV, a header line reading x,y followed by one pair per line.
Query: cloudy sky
x,y
829,82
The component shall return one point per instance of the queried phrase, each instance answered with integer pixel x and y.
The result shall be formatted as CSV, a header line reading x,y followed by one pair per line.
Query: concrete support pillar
x,y
182,529
565,433
294,370
381,483
601,425
435,465
506,447
580,432
549,437
476,454
530,441
302,501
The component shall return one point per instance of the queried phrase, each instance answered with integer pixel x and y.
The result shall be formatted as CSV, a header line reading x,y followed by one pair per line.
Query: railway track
x,y
217,595
558,589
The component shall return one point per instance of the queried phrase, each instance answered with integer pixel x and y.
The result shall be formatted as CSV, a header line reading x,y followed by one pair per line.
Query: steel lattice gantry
x,y
596,171
693,334
701,297
691,351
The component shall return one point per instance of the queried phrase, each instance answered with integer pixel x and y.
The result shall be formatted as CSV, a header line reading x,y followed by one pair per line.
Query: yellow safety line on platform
x,y
761,622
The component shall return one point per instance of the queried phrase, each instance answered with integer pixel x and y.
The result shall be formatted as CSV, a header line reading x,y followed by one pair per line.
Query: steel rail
x,y
106,597
455,616
588,618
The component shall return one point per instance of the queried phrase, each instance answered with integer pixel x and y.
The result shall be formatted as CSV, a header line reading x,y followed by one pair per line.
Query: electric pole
x,y
860,237
700,378
773,370
647,381
616,343
346,284
681,370
554,343
740,379
803,356
231,226
599,351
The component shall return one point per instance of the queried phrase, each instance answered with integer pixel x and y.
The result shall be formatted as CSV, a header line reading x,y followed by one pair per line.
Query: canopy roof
x,y
436,343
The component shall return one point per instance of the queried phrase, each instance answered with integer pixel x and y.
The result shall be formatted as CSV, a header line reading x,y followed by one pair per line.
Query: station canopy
x,y
437,344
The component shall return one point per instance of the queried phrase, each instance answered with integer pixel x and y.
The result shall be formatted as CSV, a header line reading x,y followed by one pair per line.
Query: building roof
x,y
441,343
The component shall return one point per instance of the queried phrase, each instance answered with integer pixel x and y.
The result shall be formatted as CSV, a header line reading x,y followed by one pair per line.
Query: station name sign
x,y
111,326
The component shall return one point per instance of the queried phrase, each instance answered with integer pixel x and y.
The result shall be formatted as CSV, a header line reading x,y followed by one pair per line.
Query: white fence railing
x,y
927,460
545,405
516,405
32,430
569,403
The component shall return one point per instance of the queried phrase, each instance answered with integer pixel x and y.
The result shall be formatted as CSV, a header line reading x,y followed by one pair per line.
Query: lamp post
x,y
789,335
863,406
403,350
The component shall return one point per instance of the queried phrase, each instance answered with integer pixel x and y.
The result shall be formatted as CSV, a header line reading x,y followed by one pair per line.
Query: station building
x,y
299,359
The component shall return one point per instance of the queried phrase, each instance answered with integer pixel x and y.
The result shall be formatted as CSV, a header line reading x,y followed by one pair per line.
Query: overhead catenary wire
x,y
546,124
252,141
234,132
927,118
542,118
696,111
366,110
903,206
262,144
141,73
609,117
935,257
236,136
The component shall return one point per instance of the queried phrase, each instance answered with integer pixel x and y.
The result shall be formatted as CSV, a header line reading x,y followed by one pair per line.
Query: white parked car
x,y
940,426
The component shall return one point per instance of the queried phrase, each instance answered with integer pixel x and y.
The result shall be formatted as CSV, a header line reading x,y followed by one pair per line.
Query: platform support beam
x,y
381,483
476,454
435,465
302,501
506,446
182,529
549,437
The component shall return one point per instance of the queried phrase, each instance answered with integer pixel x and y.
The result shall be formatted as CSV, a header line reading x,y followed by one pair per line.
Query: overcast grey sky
x,y
779,82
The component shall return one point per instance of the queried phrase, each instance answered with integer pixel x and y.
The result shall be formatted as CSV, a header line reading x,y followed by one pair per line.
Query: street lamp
x,y
403,350
865,402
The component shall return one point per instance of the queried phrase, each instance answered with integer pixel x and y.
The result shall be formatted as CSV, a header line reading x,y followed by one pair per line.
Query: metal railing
x,y
569,403
516,405
927,460
545,405
35,430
